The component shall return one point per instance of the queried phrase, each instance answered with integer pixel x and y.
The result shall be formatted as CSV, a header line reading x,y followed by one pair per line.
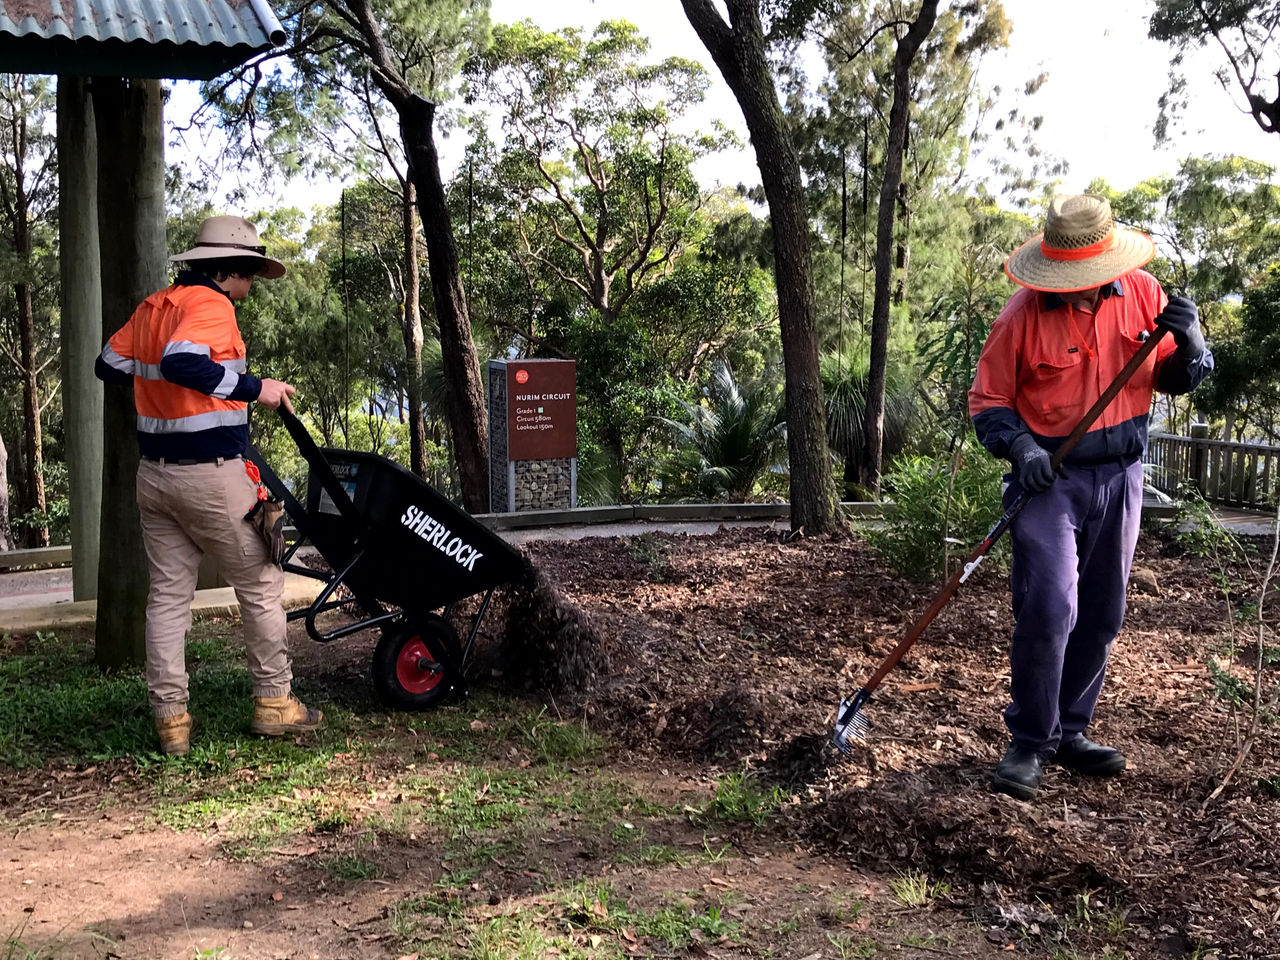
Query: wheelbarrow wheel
x,y
408,669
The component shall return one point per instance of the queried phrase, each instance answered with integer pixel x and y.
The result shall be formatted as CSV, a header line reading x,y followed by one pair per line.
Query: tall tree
x,y
409,54
739,50
6,539
594,153
1244,31
27,194
909,45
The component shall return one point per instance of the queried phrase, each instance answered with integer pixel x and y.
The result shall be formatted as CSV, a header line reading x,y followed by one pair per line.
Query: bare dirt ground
x,y
462,833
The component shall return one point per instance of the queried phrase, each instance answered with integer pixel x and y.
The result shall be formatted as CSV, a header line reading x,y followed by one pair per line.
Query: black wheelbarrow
x,y
404,553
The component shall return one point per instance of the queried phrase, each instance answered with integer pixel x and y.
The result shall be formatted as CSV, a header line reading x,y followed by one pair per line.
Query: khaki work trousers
x,y
189,510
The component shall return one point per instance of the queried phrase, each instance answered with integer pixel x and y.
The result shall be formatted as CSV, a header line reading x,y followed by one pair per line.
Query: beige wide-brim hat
x,y
223,237
1081,248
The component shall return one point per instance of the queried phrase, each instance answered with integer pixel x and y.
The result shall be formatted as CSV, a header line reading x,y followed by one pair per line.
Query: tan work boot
x,y
280,716
175,734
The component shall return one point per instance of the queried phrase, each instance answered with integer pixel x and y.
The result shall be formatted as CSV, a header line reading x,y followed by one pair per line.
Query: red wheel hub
x,y
416,669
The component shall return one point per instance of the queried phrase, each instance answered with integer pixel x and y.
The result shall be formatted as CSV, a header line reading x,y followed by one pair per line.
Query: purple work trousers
x,y
1072,549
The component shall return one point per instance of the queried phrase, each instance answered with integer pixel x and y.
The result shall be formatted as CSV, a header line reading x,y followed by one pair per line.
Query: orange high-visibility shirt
x,y
183,348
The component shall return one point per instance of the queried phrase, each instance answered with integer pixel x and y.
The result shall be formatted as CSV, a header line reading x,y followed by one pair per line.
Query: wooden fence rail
x,y
1233,474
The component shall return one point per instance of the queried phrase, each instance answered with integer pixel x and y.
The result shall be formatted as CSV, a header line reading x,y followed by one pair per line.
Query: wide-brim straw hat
x,y
224,237
1081,248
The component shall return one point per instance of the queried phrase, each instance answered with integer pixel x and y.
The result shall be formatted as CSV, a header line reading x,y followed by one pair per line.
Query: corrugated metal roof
x,y
188,38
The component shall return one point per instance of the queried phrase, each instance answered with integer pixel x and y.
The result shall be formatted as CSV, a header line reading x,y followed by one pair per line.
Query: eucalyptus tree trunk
x,y
412,326
902,259
6,539
464,390
81,326
32,446
131,214
738,48
873,429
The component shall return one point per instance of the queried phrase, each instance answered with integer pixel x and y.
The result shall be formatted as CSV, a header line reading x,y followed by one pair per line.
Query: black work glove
x,y
267,518
1183,320
1031,462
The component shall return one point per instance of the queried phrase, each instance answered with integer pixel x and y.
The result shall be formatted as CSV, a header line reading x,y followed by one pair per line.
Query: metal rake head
x,y
851,723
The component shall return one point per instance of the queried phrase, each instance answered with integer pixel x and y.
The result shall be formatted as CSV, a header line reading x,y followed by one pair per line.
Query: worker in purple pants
x,y
1085,308
1074,540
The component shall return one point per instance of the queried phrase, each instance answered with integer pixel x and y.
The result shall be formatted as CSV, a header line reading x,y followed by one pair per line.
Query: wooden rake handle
x,y
972,561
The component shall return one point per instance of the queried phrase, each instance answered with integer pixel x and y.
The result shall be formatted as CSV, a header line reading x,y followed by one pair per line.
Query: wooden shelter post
x,y
81,326
131,223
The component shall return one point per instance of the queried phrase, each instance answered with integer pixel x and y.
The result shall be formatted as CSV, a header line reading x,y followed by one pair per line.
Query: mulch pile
x,y
734,649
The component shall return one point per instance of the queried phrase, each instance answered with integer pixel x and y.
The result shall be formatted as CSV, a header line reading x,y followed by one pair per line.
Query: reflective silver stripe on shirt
x,y
185,346
151,371
193,424
230,380
117,362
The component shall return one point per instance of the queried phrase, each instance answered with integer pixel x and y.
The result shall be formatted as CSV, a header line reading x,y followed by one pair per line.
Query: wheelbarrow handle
x,y
320,468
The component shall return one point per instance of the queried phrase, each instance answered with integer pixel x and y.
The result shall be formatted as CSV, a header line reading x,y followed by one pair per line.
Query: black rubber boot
x,y
1084,756
1019,773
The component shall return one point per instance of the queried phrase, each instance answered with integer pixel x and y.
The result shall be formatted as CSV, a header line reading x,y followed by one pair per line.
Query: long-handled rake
x,y
851,722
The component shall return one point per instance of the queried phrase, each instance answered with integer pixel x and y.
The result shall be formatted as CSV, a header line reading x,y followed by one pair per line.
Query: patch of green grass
x,y
716,854
915,889
784,927
14,946
597,906
654,854
849,948
600,800
555,741
1091,913
844,909
920,940
56,703
351,867
476,800
518,938
739,799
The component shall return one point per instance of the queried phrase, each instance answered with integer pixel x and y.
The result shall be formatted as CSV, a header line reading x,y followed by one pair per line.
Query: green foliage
x,y
1198,532
962,318
608,197
1245,381
844,389
727,441
623,394
1243,32
351,867
914,535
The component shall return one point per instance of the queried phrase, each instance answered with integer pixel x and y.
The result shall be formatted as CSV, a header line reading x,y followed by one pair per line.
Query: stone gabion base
x,y
544,484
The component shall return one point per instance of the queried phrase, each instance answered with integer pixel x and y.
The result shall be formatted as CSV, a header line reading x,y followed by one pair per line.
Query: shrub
x,y
921,530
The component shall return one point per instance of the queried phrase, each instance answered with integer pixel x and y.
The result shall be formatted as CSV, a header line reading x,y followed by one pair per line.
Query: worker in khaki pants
x,y
183,352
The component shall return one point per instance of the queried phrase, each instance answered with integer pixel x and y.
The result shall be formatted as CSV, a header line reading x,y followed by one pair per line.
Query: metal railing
x,y
1225,472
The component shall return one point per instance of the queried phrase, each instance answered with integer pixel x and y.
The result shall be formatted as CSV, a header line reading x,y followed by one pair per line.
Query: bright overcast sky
x,y
1099,104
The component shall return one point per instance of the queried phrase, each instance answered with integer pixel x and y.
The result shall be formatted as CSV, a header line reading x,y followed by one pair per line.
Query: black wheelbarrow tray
x,y
406,555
